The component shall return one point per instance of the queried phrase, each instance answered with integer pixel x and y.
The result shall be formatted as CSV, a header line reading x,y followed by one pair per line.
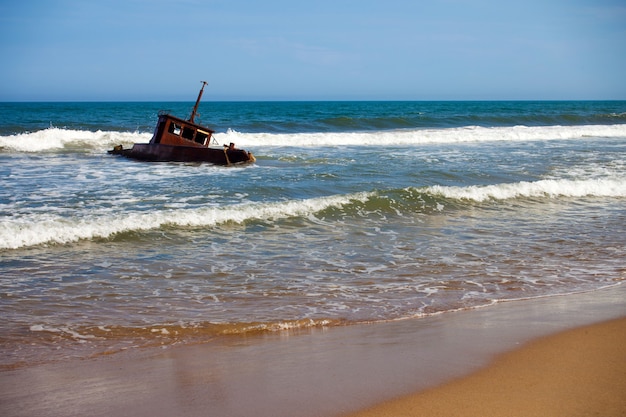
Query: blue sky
x,y
60,50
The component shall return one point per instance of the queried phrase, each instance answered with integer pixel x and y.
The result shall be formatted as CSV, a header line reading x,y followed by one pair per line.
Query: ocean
x,y
354,212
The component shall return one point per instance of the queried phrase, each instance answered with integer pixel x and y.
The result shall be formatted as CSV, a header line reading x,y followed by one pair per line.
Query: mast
x,y
195,108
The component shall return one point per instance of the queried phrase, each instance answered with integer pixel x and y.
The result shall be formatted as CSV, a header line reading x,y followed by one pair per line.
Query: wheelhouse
x,y
171,130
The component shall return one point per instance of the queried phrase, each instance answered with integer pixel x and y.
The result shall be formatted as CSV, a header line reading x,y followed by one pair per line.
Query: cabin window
x,y
201,137
188,133
174,128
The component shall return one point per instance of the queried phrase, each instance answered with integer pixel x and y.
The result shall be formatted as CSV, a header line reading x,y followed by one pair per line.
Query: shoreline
x,y
577,372
319,372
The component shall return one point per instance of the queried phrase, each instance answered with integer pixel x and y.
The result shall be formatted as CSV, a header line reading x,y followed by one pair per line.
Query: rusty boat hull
x,y
176,153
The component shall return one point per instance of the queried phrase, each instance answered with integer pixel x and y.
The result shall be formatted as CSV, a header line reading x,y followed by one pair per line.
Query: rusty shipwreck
x,y
178,140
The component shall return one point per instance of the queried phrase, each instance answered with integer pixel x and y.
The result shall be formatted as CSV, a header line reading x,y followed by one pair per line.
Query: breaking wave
x,y
56,229
409,137
67,140
605,187
57,139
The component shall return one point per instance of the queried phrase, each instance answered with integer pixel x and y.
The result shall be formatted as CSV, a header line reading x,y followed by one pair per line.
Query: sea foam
x,y
603,187
57,229
56,139
410,137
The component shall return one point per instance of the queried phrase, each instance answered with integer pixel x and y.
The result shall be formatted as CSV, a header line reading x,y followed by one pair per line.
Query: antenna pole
x,y
195,108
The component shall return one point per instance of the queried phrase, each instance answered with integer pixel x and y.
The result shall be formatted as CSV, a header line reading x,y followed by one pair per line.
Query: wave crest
x,y
58,139
56,229
412,137
603,187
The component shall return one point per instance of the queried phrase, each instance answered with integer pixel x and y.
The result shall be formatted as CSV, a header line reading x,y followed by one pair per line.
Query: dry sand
x,y
580,372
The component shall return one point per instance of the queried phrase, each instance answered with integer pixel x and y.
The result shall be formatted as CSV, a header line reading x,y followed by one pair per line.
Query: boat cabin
x,y
171,130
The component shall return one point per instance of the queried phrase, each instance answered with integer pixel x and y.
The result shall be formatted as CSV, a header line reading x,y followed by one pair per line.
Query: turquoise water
x,y
354,212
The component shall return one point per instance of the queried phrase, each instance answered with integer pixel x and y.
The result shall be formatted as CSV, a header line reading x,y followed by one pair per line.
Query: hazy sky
x,y
312,50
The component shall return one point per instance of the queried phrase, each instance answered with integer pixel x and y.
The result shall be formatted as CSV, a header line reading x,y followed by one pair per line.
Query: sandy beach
x,y
580,372
517,357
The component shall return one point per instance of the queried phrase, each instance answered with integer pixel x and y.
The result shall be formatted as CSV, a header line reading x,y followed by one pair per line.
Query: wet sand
x,y
338,371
